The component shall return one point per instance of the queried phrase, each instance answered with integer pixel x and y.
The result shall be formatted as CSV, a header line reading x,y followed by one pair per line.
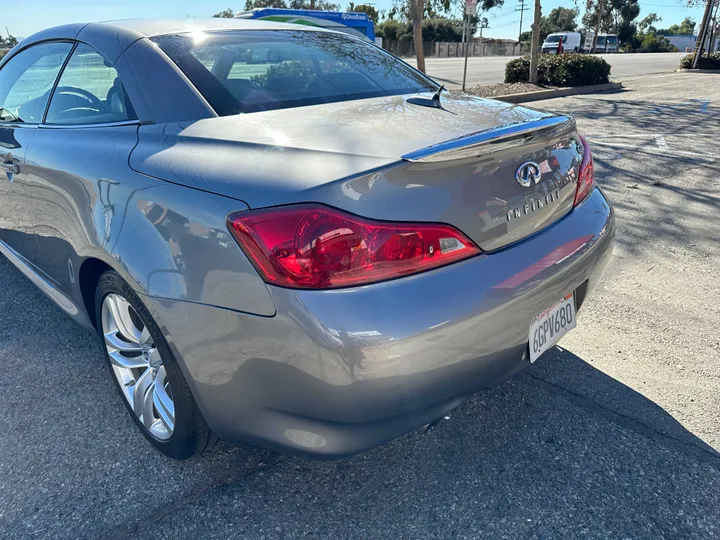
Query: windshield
x,y
244,71
612,40
553,39
601,40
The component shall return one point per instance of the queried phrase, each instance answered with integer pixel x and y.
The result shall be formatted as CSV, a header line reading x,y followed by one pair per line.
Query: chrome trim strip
x,y
16,125
462,147
63,301
86,126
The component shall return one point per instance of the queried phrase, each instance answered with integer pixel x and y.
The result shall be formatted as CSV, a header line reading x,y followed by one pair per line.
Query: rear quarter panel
x,y
166,240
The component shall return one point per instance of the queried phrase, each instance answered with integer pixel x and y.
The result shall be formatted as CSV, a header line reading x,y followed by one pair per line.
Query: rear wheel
x,y
146,372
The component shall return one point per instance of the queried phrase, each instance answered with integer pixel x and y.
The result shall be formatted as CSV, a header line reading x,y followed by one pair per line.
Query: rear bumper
x,y
337,372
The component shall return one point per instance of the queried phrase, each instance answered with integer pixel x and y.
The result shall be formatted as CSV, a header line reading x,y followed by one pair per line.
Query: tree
x,y
417,7
612,16
647,24
628,11
8,42
417,10
655,43
225,14
590,18
685,28
257,4
369,10
559,19
648,38
320,5
535,43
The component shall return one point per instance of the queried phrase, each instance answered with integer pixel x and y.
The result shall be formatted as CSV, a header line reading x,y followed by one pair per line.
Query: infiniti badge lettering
x,y
533,205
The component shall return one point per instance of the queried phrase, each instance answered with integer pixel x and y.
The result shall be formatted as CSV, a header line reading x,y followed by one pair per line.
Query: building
x,y
686,43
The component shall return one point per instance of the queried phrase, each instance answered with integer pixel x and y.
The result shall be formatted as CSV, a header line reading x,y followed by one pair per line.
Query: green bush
x,y
3,53
560,70
653,43
704,62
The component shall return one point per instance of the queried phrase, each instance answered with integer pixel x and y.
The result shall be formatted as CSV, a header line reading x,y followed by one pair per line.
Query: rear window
x,y
245,71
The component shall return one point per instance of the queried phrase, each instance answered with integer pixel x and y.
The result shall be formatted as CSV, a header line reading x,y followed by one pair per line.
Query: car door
x,y
26,81
75,162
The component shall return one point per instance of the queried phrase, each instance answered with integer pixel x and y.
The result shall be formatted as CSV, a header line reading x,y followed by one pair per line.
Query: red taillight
x,y
586,176
318,247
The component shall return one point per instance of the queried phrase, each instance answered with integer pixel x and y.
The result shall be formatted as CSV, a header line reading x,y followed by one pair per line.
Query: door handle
x,y
10,168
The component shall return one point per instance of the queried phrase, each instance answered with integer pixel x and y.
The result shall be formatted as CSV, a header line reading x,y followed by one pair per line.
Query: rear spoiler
x,y
474,144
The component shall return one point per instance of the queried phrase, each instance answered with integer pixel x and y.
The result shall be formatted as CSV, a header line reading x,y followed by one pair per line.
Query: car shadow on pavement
x,y
563,373
561,449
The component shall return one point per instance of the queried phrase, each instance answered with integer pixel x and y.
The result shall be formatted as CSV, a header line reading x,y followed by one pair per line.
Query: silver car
x,y
285,236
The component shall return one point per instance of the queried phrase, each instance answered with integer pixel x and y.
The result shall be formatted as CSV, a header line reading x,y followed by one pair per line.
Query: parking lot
x,y
484,70
615,434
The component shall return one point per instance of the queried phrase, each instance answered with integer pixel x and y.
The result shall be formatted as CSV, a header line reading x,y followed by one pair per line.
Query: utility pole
x,y
601,8
703,32
714,22
522,9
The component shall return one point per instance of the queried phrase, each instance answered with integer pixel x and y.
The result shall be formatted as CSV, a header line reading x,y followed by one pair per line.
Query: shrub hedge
x,y
704,62
560,70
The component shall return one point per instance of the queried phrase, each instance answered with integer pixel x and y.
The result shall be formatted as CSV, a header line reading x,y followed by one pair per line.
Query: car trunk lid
x,y
383,158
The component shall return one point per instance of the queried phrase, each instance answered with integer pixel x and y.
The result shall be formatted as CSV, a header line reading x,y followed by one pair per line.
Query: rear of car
x,y
414,253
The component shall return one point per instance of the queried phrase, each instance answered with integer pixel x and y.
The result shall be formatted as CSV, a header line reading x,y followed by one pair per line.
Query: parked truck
x,y
606,43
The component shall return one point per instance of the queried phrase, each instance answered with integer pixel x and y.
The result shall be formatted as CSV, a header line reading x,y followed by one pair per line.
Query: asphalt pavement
x,y
614,434
491,69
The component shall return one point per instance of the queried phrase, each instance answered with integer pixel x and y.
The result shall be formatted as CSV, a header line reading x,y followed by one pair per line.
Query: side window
x,y
27,79
89,92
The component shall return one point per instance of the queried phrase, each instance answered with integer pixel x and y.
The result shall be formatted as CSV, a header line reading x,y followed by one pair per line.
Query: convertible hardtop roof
x,y
112,37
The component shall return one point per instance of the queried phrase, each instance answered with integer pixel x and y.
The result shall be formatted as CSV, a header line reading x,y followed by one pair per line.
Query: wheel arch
x,y
88,276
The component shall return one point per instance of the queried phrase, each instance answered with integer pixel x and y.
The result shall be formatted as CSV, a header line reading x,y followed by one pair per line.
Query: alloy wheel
x,y
138,367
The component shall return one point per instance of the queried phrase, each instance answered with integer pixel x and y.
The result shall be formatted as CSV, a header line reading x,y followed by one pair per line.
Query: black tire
x,y
191,435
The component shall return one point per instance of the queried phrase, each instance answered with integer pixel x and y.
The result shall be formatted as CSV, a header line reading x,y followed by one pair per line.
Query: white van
x,y
570,42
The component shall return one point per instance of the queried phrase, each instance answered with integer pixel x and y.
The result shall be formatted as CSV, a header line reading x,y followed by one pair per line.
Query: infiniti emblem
x,y
528,173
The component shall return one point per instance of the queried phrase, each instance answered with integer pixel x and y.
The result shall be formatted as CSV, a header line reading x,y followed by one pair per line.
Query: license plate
x,y
547,328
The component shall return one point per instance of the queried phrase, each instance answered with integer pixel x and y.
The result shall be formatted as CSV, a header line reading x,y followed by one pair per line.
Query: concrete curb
x,y
697,71
561,92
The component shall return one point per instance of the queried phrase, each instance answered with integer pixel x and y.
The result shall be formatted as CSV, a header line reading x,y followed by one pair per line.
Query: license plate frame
x,y
548,327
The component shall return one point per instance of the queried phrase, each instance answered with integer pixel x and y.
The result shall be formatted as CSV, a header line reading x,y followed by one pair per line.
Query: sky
x,y
28,16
